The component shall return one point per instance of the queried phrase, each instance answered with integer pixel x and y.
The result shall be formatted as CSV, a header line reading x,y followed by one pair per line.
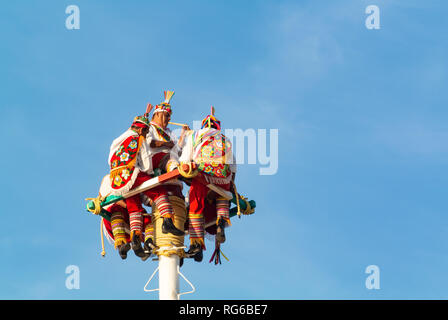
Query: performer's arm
x,y
158,144
187,150
185,130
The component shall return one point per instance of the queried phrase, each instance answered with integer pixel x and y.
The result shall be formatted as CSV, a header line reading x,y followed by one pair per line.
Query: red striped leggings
x,y
134,204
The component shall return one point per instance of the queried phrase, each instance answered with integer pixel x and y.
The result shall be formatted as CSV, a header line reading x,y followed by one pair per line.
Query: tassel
x,y
216,256
148,109
168,95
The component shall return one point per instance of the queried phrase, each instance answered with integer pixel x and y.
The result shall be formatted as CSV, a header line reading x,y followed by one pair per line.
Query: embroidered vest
x,y
211,159
122,162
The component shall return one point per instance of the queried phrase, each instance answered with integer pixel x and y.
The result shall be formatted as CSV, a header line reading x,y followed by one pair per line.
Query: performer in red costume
x,y
212,152
130,164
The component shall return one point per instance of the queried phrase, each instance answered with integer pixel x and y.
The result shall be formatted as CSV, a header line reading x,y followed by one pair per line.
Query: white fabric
x,y
118,141
153,135
144,162
105,188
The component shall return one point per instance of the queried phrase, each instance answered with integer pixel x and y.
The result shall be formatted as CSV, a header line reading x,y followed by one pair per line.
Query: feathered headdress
x,y
165,105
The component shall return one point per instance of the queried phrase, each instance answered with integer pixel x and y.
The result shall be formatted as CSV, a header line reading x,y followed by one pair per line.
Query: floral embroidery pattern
x,y
122,162
212,157
124,157
125,174
118,180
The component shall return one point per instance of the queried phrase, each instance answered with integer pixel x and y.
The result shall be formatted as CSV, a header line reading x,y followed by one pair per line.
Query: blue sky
x,y
362,127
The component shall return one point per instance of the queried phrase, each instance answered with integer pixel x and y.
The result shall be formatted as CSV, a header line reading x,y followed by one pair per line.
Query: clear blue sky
x,y
362,122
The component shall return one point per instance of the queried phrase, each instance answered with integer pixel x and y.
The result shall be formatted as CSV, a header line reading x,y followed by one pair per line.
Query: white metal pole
x,y
168,277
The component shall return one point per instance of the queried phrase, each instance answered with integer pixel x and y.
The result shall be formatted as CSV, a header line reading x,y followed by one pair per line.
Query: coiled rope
x,y
191,172
237,200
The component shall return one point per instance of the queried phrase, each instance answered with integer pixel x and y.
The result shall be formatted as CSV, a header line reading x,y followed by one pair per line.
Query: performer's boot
x,y
220,235
149,246
169,227
123,250
137,247
195,252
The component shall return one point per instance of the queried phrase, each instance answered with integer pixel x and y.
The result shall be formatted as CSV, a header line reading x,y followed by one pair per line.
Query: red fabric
x,y
139,124
121,159
198,197
156,158
200,204
134,204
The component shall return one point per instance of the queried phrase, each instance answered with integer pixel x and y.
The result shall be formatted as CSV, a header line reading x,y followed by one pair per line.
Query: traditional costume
x,y
164,159
160,156
212,152
118,229
130,166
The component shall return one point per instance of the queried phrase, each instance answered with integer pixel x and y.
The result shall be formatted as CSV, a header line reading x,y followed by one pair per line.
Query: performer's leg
x,y
222,211
117,224
197,196
149,230
149,235
118,230
160,197
135,209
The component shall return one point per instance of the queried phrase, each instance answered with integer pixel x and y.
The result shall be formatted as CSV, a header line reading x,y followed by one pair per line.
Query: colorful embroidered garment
x,y
141,121
163,135
122,162
211,149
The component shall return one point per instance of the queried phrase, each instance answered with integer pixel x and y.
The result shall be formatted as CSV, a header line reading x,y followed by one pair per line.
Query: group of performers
x,y
149,148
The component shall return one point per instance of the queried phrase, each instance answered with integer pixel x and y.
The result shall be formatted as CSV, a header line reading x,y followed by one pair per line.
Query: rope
x,y
168,251
103,252
249,209
190,174
96,203
237,200
97,210
168,243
